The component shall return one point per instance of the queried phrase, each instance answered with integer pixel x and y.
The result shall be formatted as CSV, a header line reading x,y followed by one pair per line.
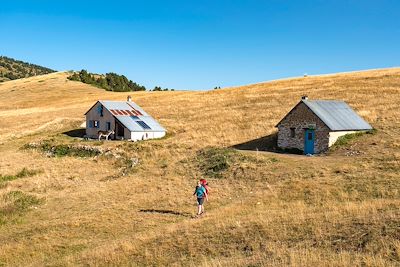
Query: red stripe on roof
x,y
119,112
134,112
137,111
129,112
124,112
114,112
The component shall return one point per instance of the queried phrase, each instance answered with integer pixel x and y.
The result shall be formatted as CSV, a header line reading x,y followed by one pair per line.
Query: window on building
x,y
143,124
100,110
108,124
90,124
96,124
292,132
134,118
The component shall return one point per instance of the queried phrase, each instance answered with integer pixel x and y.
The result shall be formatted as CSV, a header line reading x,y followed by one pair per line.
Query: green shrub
x,y
213,161
345,139
62,150
110,81
17,203
21,174
16,69
21,201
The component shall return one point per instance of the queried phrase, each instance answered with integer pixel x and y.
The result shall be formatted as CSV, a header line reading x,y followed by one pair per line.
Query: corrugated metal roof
x,y
128,113
337,115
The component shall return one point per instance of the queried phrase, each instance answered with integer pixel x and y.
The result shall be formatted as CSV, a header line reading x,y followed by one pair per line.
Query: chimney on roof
x,y
129,98
304,97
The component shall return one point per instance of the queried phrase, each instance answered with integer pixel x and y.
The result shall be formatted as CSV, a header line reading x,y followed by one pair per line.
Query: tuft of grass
x,y
21,174
98,143
26,172
125,165
66,150
346,139
21,201
16,204
214,161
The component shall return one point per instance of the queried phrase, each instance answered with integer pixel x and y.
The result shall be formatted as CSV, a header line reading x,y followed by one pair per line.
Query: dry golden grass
x,y
267,209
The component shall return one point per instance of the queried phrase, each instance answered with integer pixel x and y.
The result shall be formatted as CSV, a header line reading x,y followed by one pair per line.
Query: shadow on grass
x,y
76,133
266,143
185,214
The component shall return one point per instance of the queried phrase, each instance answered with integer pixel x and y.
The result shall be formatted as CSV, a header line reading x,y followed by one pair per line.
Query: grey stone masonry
x,y
302,118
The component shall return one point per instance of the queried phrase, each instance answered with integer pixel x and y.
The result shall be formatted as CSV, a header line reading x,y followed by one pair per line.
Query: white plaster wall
x,y
333,136
94,115
158,134
137,136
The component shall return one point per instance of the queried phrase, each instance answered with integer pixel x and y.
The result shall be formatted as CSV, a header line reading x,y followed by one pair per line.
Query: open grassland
x,y
63,208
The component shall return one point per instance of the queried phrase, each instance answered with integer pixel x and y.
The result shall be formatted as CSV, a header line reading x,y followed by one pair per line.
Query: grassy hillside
x,y
11,69
62,206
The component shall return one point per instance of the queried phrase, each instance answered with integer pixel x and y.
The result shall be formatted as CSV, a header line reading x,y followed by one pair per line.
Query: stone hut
x,y
312,126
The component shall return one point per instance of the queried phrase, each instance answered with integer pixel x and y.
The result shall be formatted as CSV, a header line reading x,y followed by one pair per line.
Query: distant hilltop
x,y
12,69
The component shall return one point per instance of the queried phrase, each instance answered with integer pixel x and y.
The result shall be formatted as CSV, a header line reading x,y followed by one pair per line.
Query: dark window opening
x,y
119,129
134,118
108,125
292,132
100,110
310,136
143,125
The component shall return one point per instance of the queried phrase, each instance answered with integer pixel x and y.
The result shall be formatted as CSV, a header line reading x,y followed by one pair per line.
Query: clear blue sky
x,y
204,43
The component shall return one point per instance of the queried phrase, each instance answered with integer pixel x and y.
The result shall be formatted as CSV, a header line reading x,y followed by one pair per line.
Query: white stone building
x,y
125,118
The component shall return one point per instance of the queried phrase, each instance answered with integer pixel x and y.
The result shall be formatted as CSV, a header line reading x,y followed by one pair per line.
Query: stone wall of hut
x,y
302,118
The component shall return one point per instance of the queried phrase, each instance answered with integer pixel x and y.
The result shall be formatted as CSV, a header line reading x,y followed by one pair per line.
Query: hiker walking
x,y
200,192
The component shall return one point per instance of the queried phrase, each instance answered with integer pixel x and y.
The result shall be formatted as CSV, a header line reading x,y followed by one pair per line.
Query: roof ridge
x,y
342,118
325,100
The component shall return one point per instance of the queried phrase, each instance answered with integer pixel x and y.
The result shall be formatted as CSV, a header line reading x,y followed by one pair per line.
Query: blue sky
x,y
197,45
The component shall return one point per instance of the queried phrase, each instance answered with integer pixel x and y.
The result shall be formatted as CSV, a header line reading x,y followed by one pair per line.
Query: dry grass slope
x,y
264,209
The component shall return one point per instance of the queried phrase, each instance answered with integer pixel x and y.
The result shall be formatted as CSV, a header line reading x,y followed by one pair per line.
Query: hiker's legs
x,y
200,208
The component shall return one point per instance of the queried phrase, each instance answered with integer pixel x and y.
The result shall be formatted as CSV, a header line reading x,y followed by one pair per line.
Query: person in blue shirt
x,y
201,194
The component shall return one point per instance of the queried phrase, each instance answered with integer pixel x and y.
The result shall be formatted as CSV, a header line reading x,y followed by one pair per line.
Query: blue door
x,y
309,136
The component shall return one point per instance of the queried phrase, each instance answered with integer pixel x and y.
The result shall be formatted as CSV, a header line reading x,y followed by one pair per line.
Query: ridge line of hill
x,y
313,76
12,69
